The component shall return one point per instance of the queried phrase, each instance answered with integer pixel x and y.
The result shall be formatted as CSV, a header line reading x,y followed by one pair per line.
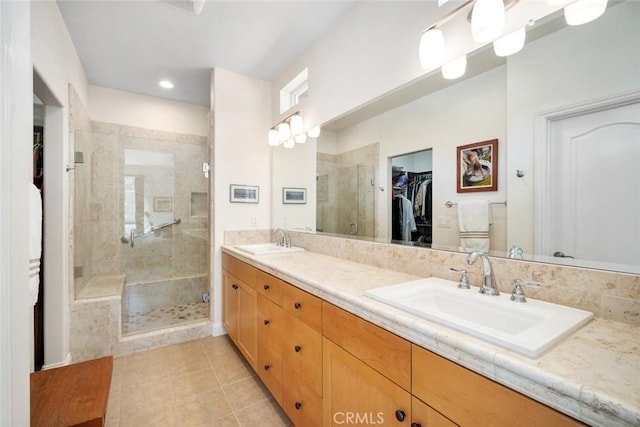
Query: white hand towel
x,y
473,223
35,241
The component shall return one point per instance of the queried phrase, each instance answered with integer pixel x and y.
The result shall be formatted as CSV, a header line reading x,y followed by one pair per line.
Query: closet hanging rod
x,y
450,204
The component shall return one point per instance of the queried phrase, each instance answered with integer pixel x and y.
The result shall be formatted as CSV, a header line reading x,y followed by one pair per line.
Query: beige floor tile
x,y
162,417
187,366
186,386
264,414
235,369
203,408
141,398
246,392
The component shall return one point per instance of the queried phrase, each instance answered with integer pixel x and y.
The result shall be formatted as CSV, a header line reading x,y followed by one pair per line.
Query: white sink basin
x,y
527,328
267,248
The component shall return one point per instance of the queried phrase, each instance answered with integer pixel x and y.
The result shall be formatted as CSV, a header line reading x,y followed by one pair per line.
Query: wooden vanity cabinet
x,y
240,306
270,329
469,399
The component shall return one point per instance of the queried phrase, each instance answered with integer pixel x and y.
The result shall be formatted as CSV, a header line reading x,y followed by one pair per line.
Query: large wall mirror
x,y
524,102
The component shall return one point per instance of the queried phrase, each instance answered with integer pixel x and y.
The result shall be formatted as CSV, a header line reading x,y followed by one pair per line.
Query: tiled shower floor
x,y
164,317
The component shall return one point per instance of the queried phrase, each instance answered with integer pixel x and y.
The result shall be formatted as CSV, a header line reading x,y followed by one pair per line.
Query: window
x,y
294,91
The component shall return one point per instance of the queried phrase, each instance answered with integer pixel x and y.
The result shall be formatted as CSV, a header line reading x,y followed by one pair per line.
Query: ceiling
x,y
130,45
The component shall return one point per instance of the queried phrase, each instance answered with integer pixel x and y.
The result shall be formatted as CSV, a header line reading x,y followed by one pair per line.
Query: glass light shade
x,y
314,132
289,143
511,43
274,139
487,20
455,69
297,125
431,49
557,2
300,139
584,11
284,132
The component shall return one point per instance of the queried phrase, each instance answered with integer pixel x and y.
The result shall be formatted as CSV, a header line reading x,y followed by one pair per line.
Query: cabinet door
x,y
422,415
247,323
355,393
302,351
230,289
269,367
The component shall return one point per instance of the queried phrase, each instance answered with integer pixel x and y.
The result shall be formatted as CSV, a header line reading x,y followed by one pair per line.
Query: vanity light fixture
x,y
455,69
432,48
291,131
165,84
583,11
511,43
487,20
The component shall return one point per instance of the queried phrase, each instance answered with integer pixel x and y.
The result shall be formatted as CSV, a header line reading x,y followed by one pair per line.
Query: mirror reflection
x,y
557,71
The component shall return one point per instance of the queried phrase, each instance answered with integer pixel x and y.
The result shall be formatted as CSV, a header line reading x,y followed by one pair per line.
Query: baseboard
x,y
67,361
217,330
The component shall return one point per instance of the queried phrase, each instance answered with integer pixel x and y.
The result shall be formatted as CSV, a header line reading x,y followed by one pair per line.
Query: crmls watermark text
x,y
358,418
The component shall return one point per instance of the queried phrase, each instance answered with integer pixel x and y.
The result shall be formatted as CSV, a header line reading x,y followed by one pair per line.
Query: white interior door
x,y
595,185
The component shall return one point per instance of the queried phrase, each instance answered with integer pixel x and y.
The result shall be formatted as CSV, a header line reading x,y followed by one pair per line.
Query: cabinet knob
x,y
266,287
297,305
400,415
266,322
234,286
297,348
416,425
266,367
298,405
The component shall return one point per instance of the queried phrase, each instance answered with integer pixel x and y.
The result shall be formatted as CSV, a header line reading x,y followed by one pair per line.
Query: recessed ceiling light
x,y
165,84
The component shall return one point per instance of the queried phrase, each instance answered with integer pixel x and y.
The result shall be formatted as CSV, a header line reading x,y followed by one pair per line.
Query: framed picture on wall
x,y
244,193
163,204
294,196
477,167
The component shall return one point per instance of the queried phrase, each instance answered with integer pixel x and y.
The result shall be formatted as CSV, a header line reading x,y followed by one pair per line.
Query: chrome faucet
x,y
489,285
284,239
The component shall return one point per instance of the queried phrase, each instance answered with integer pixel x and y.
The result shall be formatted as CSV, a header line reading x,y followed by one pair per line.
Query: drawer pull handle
x,y
234,286
266,287
298,405
400,415
297,305
297,348
266,367
266,322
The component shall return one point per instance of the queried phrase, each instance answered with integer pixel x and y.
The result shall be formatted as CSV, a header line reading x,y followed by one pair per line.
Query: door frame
x,y
542,152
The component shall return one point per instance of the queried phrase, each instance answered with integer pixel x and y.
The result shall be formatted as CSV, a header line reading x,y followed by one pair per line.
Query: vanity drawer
x,y
468,398
300,402
270,326
385,352
269,368
302,305
302,351
270,286
248,274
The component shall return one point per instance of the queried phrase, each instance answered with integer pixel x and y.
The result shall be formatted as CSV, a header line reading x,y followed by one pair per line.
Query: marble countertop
x,y
593,375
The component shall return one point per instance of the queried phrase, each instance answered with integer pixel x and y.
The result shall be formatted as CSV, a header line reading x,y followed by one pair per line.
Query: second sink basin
x,y
527,328
267,248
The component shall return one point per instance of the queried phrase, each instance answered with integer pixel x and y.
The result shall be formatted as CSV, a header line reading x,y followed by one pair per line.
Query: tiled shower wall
x,y
341,179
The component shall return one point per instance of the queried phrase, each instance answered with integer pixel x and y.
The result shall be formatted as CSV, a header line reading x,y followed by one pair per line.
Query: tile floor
x,y
163,317
204,382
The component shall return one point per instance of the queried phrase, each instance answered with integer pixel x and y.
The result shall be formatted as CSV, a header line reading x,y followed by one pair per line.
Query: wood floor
x,y
203,382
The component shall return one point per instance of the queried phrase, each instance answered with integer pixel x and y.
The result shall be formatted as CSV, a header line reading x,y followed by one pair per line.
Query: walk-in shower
x,y
141,224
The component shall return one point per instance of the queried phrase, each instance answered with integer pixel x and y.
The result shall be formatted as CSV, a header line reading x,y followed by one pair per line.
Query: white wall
x,y
471,111
241,110
16,124
566,72
296,167
131,109
58,65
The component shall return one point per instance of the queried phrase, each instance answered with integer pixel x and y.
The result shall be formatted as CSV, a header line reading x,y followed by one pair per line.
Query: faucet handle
x,y
463,282
517,294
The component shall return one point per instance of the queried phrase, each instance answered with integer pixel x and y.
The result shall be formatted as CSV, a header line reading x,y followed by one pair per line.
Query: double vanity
x,y
338,342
